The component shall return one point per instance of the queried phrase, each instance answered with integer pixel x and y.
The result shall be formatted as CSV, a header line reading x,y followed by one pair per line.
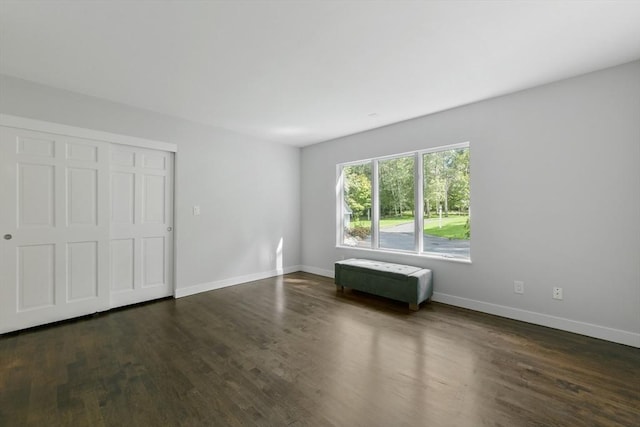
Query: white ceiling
x,y
300,72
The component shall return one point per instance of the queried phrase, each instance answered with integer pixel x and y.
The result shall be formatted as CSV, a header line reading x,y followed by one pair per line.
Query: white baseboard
x,y
210,286
582,328
318,271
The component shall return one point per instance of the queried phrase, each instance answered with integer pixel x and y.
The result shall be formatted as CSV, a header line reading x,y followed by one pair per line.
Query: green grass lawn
x,y
452,227
384,222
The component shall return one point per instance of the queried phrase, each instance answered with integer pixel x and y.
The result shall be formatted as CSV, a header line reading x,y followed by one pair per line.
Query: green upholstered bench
x,y
405,283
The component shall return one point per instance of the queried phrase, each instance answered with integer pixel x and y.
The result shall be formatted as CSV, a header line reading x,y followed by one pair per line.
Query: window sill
x,y
405,253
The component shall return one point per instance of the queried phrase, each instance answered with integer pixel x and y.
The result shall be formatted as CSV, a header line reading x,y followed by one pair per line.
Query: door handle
x,y
8,237
169,228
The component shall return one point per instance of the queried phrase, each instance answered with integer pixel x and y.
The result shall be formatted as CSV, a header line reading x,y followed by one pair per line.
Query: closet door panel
x,y
141,225
55,227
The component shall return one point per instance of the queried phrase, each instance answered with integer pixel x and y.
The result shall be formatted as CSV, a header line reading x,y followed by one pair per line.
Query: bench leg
x,y
413,307
339,288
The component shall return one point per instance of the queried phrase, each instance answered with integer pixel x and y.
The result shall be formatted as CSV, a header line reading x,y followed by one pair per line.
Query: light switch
x,y
196,210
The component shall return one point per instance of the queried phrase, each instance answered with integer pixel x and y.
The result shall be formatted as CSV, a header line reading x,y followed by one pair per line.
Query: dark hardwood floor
x,y
291,351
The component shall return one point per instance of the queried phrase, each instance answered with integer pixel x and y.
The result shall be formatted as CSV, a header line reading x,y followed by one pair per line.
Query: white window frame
x,y
418,177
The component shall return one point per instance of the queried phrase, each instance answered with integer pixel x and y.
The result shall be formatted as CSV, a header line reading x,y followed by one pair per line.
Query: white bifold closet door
x,y
84,225
141,225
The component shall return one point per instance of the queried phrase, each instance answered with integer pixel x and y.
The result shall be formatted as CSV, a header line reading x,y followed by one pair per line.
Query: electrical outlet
x,y
557,293
196,210
518,287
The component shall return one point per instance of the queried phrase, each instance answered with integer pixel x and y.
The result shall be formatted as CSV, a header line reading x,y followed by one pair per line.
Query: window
x,y
356,205
415,202
397,207
446,221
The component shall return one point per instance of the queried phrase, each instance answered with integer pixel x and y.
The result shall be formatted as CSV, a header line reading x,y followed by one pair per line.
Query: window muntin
x,y
384,201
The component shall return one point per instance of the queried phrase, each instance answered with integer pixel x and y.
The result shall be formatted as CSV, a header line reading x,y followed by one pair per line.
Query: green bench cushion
x,y
385,269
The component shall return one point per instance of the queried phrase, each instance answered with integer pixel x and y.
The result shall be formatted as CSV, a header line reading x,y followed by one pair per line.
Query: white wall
x,y
248,190
555,201
555,194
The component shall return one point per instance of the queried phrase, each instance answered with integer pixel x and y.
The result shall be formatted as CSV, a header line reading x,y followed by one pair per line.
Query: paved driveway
x,y
401,237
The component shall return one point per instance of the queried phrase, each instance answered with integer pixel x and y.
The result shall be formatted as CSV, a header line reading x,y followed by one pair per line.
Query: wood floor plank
x,y
291,351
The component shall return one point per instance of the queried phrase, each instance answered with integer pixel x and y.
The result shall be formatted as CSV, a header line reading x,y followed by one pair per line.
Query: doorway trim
x,y
60,129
